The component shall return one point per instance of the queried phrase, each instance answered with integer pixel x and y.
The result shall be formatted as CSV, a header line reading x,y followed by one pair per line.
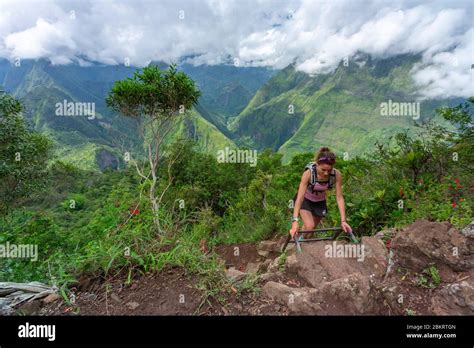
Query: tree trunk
x,y
154,205
153,159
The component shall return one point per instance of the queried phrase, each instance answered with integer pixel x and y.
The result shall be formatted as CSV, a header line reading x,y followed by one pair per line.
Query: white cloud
x,y
320,35
141,30
315,35
448,73
42,40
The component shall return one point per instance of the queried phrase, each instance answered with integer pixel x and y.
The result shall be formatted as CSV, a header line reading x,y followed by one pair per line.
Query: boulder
x,y
291,261
376,256
340,278
390,295
454,299
349,294
234,275
268,245
468,231
320,262
298,300
425,243
253,267
51,298
266,264
29,308
267,276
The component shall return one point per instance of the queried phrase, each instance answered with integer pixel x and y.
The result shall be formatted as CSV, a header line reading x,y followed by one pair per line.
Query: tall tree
x,y
157,100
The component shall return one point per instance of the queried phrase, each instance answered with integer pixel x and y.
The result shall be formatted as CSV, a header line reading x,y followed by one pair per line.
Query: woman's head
x,y
325,159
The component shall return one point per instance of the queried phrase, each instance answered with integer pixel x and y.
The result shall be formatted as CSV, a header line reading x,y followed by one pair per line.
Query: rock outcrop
x,y
381,275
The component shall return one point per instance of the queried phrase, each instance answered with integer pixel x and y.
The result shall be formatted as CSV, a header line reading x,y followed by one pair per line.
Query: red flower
x,y
454,204
134,211
458,187
457,181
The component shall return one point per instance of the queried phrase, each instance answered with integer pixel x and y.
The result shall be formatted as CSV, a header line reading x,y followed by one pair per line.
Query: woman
x,y
310,201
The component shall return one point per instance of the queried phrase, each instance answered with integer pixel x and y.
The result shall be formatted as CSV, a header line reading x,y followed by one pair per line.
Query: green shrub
x,y
74,202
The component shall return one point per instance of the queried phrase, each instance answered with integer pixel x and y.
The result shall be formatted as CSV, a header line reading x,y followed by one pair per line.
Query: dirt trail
x,y
390,279
169,292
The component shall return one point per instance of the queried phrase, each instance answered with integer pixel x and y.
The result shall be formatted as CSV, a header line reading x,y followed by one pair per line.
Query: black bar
x,y
326,238
311,240
159,330
322,230
337,229
286,243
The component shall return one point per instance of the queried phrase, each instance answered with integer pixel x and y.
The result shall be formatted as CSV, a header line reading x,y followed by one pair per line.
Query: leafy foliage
x,y
110,227
23,152
152,92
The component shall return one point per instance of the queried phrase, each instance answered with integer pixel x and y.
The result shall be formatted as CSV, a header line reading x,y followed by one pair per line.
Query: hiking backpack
x,y
312,167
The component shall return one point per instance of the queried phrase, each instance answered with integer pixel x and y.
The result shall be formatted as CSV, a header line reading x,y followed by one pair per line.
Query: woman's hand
x,y
345,227
294,228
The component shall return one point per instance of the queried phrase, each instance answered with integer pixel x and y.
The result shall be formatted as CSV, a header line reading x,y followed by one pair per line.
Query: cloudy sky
x,y
315,35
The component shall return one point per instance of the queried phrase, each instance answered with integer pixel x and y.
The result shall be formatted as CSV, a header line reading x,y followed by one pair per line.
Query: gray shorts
x,y
318,209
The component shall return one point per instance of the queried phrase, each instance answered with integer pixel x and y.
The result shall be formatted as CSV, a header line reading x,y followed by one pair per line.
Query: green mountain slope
x,y
208,138
295,112
89,143
227,89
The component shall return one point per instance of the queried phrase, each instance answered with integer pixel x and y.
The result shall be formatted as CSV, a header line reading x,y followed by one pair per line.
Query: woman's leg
x,y
319,209
308,222
316,220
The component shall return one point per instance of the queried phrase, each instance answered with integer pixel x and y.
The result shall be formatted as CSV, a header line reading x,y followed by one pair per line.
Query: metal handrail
x,y
297,241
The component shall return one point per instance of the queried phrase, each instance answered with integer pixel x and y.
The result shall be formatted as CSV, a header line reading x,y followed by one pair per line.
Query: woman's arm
x,y
340,202
302,188
339,196
299,200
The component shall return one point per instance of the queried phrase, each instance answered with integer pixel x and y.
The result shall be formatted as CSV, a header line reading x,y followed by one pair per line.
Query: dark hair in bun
x,y
325,155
